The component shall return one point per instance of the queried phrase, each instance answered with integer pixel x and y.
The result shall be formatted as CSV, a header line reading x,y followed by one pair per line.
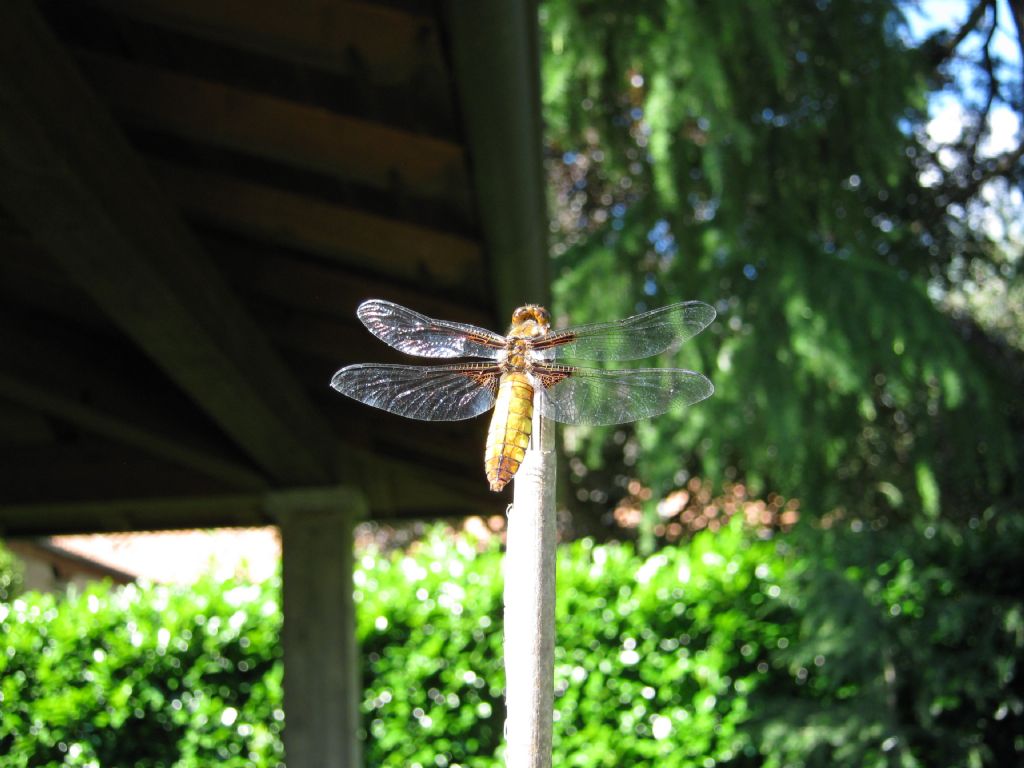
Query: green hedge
x,y
813,648
142,677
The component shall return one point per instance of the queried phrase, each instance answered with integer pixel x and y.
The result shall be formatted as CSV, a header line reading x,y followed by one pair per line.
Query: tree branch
x,y
949,48
1017,12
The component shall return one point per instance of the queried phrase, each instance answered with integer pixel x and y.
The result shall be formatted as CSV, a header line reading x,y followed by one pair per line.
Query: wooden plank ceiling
x,y
195,196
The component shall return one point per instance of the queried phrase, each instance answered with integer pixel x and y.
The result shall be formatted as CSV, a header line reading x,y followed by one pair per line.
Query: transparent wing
x,y
416,334
428,393
630,339
595,397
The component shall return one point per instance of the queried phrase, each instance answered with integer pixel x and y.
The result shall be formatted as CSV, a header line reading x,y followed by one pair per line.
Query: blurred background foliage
x,y
903,652
831,545
142,676
843,180
775,159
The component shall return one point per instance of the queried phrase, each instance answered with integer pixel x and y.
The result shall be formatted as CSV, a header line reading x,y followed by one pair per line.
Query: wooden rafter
x,y
86,468
70,178
328,290
293,134
408,252
30,279
395,491
174,448
385,45
108,515
65,379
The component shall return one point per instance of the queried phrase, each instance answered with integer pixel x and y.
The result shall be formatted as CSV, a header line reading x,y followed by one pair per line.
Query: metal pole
x,y
530,604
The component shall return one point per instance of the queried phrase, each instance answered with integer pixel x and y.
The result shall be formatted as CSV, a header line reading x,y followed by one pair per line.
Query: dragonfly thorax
x,y
516,357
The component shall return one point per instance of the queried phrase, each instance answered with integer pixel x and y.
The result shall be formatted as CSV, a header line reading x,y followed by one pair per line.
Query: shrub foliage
x,y
713,653
142,677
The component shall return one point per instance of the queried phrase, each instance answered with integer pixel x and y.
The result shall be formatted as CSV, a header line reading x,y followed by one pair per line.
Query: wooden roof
x,y
195,196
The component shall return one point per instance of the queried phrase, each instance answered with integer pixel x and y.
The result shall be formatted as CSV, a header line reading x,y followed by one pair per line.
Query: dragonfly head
x,y
529,321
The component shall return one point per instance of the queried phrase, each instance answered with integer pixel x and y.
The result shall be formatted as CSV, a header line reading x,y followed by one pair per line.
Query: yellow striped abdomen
x,y
509,433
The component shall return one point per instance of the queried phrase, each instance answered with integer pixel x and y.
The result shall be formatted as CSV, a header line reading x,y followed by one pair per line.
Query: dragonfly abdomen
x,y
509,433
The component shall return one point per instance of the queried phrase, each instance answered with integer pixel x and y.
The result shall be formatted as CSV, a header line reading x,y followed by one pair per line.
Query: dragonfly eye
x,y
530,320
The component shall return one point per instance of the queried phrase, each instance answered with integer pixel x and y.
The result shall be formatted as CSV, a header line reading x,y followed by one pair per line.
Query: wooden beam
x,y
317,345
29,278
395,490
314,337
444,448
23,426
497,74
36,375
171,448
81,468
135,514
385,45
287,132
447,449
102,398
70,178
330,290
388,247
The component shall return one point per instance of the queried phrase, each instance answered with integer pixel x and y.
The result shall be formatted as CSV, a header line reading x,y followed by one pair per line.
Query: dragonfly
x,y
507,372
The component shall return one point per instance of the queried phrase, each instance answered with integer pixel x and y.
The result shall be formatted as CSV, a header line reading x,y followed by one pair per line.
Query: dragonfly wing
x,y
428,393
415,334
594,397
630,339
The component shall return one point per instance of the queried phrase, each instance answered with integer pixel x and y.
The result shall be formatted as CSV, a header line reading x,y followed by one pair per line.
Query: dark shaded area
x,y
194,200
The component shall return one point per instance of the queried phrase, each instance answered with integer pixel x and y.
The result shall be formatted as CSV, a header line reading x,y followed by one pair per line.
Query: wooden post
x,y
321,673
530,604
